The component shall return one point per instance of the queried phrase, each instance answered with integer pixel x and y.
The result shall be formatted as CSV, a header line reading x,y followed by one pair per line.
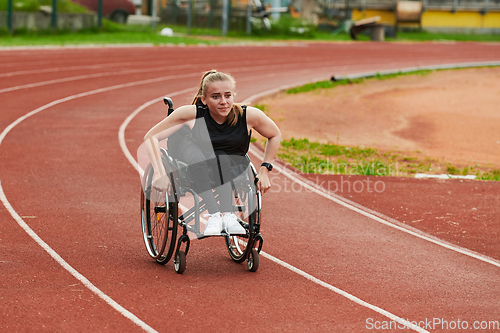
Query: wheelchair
x,y
167,224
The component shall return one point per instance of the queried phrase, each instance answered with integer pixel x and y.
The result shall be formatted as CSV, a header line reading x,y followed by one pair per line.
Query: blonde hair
x,y
214,76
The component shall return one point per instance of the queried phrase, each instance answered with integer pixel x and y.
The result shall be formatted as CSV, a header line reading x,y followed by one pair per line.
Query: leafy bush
x,y
63,6
21,5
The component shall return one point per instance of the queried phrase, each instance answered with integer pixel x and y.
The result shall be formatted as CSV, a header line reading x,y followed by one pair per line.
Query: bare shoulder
x,y
255,116
184,113
258,120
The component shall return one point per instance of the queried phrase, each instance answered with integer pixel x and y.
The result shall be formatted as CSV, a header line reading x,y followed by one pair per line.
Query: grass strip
x,y
110,33
286,29
315,157
63,6
328,158
328,84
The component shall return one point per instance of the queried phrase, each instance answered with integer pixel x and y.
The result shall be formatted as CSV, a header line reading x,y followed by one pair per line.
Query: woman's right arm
x,y
162,130
179,117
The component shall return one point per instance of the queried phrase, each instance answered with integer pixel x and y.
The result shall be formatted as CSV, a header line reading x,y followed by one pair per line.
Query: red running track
x,y
65,179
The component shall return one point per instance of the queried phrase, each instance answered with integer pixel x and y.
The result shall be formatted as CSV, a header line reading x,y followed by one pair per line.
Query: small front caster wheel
x,y
180,262
253,260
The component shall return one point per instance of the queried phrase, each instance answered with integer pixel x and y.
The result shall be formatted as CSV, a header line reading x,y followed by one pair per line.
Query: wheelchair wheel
x,y
180,262
159,213
246,206
253,260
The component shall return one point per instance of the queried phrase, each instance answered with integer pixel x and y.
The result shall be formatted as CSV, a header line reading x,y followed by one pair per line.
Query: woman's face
x,y
219,98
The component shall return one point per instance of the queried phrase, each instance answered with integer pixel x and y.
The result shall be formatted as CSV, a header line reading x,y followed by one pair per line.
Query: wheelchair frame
x,y
161,218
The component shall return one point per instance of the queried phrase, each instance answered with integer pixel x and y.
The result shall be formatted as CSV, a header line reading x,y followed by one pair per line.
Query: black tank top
x,y
207,133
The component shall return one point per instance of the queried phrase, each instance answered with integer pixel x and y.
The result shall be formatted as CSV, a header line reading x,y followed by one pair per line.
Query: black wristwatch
x,y
269,166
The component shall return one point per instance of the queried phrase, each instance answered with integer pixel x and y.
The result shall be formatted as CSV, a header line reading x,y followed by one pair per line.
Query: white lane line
x,y
363,211
90,76
155,69
128,155
123,127
151,64
69,268
19,120
68,68
21,222
35,237
353,298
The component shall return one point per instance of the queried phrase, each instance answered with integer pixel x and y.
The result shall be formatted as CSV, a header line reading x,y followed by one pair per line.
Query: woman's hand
x,y
162,183
264,182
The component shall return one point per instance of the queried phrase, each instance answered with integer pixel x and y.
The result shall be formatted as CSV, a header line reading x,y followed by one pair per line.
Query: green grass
x,y
332,84
328,158
63,6
315,157
490,175
284,30
322,85
116,33
110,33
21,5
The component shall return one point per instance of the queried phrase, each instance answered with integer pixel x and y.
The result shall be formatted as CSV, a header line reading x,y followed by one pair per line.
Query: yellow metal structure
x,y
439,19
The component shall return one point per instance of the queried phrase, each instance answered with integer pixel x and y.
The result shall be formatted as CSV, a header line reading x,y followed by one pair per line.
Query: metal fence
x,y
203,13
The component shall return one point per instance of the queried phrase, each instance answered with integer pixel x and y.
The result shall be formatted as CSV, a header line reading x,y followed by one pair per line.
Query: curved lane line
x,y
36,238
75,273
70,269
88,76
364,211
123,127
74,68
68,68
128,155
149,70
44,245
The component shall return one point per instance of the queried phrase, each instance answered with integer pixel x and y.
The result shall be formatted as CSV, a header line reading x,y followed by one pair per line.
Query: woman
x,y
219,131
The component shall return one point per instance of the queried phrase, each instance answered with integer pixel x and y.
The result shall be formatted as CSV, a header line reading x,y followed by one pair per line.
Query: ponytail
x,y
201,90
213,76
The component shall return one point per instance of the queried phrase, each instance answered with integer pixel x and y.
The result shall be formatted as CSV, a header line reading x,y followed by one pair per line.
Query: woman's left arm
x,y
257,120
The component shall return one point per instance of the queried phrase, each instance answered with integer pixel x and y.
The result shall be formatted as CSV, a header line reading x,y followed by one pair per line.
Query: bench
x,y
377,30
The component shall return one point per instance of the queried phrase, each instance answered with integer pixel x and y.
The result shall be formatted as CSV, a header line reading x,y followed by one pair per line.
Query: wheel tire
x,y
253,260
239,246
159,228
180,262
172,237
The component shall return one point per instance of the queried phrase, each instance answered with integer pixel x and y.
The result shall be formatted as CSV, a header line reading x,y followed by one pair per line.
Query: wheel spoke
x,y
159,227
